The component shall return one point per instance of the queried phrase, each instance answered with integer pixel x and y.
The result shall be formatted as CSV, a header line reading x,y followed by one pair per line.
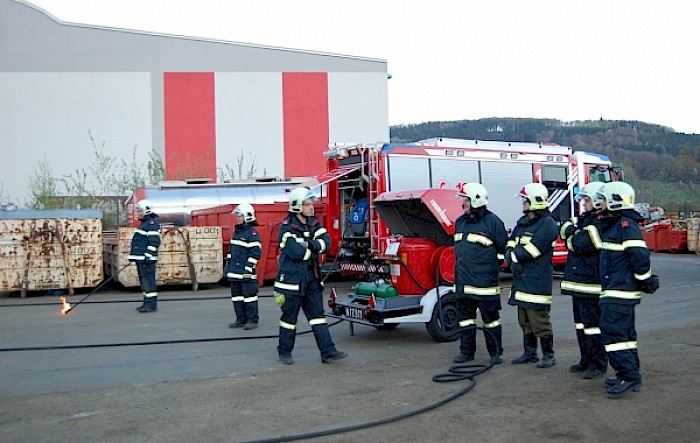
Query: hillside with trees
x,y
662,165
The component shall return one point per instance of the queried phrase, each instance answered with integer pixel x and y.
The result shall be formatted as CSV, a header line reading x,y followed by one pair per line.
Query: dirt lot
x,y
508,403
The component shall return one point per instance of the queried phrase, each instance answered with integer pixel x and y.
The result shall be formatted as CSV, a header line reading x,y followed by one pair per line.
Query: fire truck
x,y
391,209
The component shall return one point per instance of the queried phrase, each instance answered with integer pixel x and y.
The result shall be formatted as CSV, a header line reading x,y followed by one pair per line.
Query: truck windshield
x,y
600,174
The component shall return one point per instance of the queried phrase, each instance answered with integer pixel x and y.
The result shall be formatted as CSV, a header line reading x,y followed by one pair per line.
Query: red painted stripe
x,y
190,125
305,119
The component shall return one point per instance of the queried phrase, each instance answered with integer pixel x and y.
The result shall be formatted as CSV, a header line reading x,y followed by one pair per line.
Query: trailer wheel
x,y
387,327
446,333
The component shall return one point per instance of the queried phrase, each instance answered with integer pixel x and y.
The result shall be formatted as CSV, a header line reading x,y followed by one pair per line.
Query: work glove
x,y
650,285
313,245
279,298
515,267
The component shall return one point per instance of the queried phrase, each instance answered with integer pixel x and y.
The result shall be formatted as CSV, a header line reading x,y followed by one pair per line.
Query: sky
x,y
466,59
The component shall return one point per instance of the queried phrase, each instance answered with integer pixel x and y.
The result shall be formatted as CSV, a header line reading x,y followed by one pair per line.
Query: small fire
x,y
66,306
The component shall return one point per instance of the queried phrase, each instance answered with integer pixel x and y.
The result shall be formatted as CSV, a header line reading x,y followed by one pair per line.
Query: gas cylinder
x,y
383,290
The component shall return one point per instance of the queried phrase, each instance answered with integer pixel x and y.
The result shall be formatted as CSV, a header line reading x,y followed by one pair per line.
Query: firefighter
x,y
144,252
479,237
298,284
582,282
529,253
625,271
244,253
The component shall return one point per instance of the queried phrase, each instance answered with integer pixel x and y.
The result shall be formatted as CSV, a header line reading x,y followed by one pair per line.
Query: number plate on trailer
x,y
357,313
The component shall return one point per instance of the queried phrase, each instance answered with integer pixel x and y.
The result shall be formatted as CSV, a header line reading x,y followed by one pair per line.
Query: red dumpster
x,y
669,239
269,216
650,239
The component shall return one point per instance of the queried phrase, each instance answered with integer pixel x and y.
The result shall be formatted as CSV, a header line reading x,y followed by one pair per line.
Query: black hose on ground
x,y
147,343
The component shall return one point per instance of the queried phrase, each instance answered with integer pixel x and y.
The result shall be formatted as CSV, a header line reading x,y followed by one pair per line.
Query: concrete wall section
x,y
358,107
51,116
305,114
190,134
249,125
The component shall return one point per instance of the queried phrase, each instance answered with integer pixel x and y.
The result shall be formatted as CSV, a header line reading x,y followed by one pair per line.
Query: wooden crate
x,y
49,250
187,255
693,237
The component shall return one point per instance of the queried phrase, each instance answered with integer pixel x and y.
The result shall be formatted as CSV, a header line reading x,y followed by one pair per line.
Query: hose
x,y
147,343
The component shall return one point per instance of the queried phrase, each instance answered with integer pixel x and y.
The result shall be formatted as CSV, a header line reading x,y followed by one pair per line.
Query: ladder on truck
x,y
370,156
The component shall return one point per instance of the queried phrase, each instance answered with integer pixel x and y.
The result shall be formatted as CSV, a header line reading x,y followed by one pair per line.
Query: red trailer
x,y
269,216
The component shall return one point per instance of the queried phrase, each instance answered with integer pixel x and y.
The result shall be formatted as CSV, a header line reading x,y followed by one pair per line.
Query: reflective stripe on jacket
x,y
146,240
299,263
478,240
245,250
624,258
532,244
581,276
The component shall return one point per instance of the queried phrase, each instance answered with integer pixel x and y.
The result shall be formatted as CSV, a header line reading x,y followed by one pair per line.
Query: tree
x,y
43,187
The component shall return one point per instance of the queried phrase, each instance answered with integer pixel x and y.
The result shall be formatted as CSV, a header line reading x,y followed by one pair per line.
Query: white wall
x,y
358,107
249,122
49,115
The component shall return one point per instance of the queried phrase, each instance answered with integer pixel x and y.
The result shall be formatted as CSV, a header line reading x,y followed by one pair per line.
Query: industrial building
x,y
208,108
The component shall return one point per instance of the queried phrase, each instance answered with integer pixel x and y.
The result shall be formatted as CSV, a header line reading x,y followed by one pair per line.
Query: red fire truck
x,y
401,233
358,174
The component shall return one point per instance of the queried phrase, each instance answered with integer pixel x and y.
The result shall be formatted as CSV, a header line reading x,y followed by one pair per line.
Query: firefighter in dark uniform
x,y
529,253
244,252
479,237
144,252
298,285
625,271
582,282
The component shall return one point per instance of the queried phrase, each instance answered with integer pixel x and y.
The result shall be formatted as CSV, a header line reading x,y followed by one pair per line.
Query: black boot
x,y
241,319
149,306
251,314
494,344
547,352
143,303
583,364
530,354
623,387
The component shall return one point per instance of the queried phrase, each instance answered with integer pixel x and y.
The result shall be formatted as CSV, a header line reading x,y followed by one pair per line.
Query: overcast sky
x,y
467,59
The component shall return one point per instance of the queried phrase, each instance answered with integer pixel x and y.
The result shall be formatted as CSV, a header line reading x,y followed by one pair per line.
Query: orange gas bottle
x,y
411,271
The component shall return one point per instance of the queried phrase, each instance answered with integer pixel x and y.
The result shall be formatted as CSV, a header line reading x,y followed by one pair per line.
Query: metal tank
x,y
174,201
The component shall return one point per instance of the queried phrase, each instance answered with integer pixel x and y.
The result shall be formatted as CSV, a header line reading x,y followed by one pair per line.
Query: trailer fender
x,y
443,319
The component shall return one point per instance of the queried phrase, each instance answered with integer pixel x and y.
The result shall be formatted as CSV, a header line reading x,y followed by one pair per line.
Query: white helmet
x,y
246,210
298,197
591,191
537,194
146,206
618,195
476,193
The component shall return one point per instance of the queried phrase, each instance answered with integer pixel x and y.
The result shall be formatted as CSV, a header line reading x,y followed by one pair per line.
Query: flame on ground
x,y
66,306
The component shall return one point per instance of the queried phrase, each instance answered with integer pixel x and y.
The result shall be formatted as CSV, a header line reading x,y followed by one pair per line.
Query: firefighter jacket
x,y
581,276
298,263
244,252
624,258
479,237
146,240
531,248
